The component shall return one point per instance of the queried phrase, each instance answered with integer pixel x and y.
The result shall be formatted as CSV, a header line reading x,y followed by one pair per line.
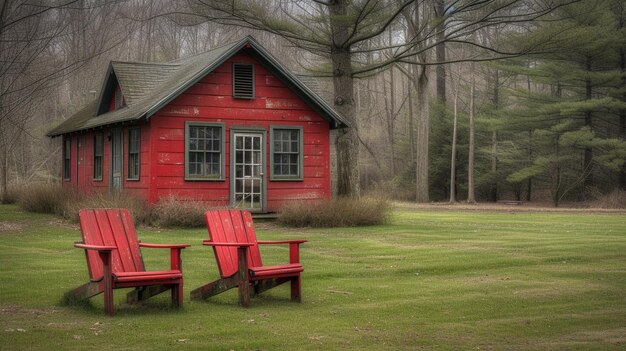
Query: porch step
x,y
272,215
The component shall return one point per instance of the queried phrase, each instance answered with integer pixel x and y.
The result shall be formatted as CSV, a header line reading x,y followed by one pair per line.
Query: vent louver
x,y
243,81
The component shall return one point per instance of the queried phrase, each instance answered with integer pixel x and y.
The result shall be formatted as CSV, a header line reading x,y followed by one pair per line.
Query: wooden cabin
x,y
230,127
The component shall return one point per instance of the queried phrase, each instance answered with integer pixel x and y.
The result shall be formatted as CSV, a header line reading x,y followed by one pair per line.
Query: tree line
x,y
475,100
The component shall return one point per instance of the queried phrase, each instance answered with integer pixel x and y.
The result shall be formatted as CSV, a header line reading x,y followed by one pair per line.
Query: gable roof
x,y
148,87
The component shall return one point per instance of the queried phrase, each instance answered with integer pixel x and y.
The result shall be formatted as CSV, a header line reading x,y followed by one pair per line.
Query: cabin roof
x,y
148,87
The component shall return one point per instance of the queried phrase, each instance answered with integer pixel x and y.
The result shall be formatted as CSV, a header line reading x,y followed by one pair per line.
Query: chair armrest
x,y
164,246
294,248
273,242
176,262
211,243
94,247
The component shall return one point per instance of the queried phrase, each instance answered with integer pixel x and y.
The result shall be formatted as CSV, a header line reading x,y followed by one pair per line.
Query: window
x,y
204,151
67,154
286,159
98,153
134,145
243,81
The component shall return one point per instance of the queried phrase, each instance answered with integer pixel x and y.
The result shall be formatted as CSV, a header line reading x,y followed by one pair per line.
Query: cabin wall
x,y
82,163
210,100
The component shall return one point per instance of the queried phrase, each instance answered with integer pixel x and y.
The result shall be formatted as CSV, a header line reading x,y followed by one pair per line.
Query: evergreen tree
x,y
574,116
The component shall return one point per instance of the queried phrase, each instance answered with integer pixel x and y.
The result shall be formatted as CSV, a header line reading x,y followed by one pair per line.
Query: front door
x,y
247,160
116,160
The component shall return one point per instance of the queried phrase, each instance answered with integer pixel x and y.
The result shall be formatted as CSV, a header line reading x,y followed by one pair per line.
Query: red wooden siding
x,y
210,100
82,163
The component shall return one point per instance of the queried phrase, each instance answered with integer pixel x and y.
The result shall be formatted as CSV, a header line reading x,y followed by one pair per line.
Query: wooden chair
x,y
236,249
114,260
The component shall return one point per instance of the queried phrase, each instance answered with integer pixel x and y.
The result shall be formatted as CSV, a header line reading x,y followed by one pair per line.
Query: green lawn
x,y
428,280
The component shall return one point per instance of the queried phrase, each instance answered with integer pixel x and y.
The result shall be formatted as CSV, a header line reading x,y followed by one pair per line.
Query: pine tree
x,y
574,117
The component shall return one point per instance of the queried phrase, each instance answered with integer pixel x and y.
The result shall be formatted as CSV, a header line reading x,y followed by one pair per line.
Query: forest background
x,y
476,100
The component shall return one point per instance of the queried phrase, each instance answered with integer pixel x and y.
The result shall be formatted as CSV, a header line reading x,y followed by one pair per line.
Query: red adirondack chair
x,y
236,249
114,260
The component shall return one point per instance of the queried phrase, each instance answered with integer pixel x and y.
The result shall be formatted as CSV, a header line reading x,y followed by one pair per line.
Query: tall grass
x,y
339,212
44,198
170,212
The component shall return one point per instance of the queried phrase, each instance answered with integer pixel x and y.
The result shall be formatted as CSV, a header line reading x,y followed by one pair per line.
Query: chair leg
x,y
296,289
177,294
243,279
108,296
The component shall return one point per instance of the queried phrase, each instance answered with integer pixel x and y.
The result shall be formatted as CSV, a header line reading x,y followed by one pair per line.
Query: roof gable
x,y
149,87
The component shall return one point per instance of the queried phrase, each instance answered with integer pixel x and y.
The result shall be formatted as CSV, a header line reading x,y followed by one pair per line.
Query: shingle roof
x,y
149,87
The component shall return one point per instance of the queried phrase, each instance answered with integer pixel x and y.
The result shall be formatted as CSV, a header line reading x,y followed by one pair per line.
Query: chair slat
x,y
255,253
216,234
91,236
106,233
133,243
240,233
227,227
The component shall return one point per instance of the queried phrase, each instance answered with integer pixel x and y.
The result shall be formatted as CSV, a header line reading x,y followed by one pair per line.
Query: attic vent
x,y
243,81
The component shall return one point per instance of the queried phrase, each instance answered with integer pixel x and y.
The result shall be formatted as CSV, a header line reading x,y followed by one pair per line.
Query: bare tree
x,y
471,197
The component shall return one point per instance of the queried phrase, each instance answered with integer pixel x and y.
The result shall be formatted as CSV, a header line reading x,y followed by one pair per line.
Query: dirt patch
x,y
501,207
57,222
12,310
6,226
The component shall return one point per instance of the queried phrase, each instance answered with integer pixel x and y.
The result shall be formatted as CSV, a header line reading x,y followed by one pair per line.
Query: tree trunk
x,y
587,166
529,186
494,140
4,164
423,121
347,139
622,116
423,129
453,156
556,192
440,52
470,162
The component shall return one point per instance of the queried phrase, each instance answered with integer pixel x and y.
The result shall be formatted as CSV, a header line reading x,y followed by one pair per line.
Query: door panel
x,y
248,166
116,160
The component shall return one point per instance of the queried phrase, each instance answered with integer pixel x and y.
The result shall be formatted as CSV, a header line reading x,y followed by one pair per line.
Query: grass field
x,y
428,280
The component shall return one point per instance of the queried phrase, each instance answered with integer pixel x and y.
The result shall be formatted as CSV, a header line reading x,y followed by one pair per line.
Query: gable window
x,y
98,154
286,153
134,145
67,154
243,81
204,151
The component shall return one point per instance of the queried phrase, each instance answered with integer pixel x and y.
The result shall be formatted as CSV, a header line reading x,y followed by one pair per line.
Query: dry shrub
x,y
10,196
615,199
43,198
339,212
170,212
137,207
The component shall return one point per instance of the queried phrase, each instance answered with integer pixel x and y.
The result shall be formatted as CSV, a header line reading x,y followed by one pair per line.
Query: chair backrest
x,y
112,227
232,226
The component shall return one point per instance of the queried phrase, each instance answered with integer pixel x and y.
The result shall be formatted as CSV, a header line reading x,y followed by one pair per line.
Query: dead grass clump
x,y
139,208
339,212
42,198
170,212
10,196
615,199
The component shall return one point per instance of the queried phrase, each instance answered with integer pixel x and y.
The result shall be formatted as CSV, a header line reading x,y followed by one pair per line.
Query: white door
x,y
247,188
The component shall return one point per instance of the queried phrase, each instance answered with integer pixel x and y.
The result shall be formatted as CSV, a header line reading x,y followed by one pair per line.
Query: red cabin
x,y
231,127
